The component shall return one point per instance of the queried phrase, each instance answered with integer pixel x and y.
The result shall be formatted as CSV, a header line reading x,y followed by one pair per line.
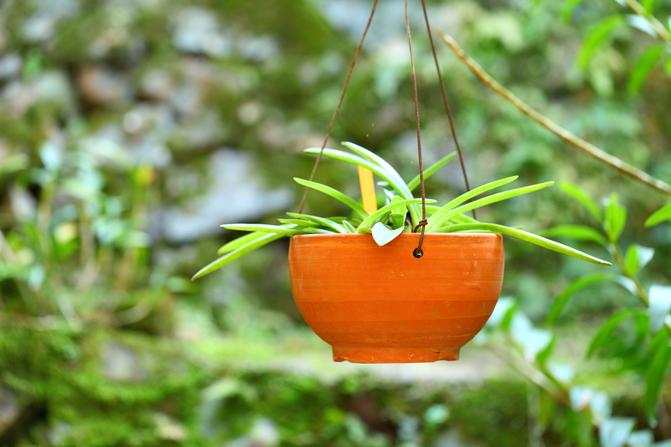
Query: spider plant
x,y
400,213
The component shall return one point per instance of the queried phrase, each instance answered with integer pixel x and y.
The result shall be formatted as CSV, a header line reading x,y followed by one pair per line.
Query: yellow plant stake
x,y
367,184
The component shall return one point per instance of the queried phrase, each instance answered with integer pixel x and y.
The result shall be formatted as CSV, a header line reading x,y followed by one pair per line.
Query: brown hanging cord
x,y
446,102
336,112
418,252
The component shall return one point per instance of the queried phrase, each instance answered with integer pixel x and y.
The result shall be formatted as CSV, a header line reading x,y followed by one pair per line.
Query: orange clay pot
x,y
382,305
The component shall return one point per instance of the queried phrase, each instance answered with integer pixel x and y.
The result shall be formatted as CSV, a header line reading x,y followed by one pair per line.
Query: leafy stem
x,y
659,28
569,137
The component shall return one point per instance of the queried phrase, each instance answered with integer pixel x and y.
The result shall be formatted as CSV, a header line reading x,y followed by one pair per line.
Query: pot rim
x,y
402,236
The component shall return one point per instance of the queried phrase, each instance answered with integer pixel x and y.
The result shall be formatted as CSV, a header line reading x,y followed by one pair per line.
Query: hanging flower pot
x,y
382,305
375,286
412,281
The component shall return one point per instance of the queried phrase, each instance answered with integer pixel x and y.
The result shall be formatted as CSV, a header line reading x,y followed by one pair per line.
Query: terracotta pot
x,y
382,305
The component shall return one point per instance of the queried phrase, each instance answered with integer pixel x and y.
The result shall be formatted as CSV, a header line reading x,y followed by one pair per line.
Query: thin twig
x,y
566,135
657,26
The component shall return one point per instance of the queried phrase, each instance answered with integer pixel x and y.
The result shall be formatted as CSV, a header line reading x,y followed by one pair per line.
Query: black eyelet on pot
x,y
418,253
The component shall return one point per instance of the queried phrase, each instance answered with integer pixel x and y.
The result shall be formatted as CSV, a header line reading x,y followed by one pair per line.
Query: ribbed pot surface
x,y
382,305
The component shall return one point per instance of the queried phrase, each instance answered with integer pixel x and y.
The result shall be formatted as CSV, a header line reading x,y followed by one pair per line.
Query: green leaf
x,y
469,195
388,169
636,258
440,218
582,197
562,300
374,158
661,215
659,306
462,218
241,251
577,233
398,212
562,372
615,219
649,5
567,9
598,402
350,228
502,313
239,242
383,234
335,194
614,432
527,237
644,67
260,228
320,221
655,374
534,342
396,183
640,438
365,226
414,183
14,163
604,335
597,37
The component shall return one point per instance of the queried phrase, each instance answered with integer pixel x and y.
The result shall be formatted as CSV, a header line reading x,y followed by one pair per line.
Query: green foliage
x,y
659,216
388,222
109,132
639,339
597,37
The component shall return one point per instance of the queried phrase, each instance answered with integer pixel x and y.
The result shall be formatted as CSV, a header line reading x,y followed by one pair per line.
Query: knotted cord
x,y
418,252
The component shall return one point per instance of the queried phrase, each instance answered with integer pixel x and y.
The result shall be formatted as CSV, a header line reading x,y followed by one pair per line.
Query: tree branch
x,y
567,136
660,29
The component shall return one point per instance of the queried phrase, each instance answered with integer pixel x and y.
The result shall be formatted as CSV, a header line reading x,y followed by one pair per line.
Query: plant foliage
x,y
390,221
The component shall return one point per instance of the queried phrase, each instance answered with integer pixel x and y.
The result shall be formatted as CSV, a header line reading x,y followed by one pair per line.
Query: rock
x,y
263,434
50,87
157,84
197,31
10,66
53,87
103,87
200,131
259,49
9,409
23,205
169,429
147,129
236,193
120,363
41,25
351,15
453,438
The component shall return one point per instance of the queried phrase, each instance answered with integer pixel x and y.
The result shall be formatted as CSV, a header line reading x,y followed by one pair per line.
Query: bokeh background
x,y
131,129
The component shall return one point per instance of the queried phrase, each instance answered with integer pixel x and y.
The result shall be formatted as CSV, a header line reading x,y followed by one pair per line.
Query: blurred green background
x,y
131,129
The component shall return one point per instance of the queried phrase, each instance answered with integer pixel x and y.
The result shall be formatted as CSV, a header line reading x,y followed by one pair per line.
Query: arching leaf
x,y
562,300
335,194
440,218
414,183
661,215
527,237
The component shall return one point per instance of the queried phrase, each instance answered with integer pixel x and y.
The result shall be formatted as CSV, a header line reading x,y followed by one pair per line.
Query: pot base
x,y
364,354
